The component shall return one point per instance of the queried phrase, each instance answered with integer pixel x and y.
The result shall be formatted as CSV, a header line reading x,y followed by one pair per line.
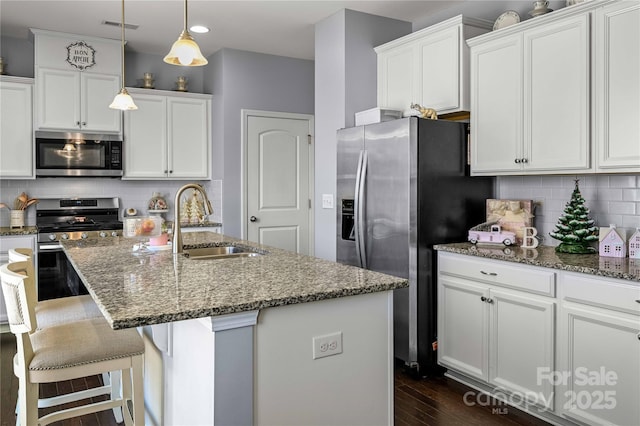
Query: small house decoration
x,y
612,242
575,229
634,245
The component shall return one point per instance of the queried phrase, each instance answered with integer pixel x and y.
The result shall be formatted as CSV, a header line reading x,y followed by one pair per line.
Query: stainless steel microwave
x,y
78,155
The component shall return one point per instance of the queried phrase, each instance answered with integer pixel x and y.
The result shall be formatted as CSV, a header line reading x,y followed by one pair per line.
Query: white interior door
x,y
278,179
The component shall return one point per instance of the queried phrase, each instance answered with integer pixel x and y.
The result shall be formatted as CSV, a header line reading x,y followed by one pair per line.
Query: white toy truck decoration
x,y
491,233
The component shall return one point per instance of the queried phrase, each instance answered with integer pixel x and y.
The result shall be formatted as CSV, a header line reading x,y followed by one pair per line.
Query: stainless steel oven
x,y
77,154
70,219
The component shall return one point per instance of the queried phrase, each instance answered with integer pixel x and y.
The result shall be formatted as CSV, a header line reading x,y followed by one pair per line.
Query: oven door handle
x,y
50,247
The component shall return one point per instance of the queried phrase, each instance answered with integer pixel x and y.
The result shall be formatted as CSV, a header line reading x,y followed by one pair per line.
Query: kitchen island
x,y
240,340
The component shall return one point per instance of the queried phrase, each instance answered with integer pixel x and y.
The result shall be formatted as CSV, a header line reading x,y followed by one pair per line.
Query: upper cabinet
x,y
429,67
168,137
16,128
545,101
617,87
76,80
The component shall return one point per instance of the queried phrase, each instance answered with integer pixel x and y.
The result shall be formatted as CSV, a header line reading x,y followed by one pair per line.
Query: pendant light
x,y
185,50
123,100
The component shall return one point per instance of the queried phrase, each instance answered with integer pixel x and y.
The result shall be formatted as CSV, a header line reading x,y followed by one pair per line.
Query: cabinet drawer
x,y
603,292
525,278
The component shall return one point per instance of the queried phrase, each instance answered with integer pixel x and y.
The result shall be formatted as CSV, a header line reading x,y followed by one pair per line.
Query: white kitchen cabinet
x,y
16,128
494,333
73,100
429,67
530,98
617,87
168,137
599,351
77,78
12,242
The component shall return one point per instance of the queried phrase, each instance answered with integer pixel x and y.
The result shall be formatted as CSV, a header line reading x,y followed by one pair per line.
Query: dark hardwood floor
x,y
436,402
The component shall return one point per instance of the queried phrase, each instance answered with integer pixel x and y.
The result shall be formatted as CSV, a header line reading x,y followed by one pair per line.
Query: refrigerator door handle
x,y
356,209
361,198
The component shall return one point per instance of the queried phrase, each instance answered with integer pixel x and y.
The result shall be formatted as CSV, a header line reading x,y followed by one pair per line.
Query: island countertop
x,y
152,287
546,256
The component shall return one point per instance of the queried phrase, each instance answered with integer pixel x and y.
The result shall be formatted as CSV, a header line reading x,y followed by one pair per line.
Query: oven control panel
x,y
80,235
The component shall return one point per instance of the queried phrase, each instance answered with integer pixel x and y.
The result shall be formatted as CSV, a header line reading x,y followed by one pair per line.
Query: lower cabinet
x,y
561,345
598,378
496,335
13,242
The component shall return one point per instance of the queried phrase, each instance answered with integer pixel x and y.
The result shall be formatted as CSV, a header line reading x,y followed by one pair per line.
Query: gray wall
x,y
18,56
345,83
246,80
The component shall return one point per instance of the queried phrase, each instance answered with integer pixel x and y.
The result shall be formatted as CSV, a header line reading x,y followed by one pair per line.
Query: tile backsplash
x,y
611,199
132,194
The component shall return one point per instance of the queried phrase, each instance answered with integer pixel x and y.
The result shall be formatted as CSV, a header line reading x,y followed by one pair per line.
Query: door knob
x,y
253,219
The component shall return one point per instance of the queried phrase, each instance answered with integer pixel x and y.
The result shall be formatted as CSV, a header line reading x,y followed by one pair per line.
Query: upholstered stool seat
x,y
68,351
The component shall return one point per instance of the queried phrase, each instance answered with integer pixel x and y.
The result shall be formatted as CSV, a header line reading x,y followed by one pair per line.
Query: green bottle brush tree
x,y
574,228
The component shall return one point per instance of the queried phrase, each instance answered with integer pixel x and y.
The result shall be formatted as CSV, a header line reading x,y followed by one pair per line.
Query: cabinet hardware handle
x,y
166,171
524,160
170,171
484,299
489,300
78,123
493,274
84,123
638,336
637,300
518,161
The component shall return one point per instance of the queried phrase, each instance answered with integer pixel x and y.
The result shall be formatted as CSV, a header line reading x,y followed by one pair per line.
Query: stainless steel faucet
x,y
177,232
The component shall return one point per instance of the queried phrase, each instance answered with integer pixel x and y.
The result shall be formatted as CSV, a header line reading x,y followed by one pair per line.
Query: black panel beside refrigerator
x,y
402,187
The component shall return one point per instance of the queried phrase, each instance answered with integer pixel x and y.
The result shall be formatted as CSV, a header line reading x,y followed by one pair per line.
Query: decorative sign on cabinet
x,y
168,137
73,89
537,93
16,128
429,67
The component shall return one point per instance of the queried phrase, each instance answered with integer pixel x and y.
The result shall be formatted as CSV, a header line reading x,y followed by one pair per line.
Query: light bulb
x,y
185,54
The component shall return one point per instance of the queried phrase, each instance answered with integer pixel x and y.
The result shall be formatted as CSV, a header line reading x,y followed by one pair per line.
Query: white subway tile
x,y
602,181
622,181
618,207
631,195
609,194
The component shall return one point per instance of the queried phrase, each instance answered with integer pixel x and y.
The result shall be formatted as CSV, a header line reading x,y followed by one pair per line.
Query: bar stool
x,y
57,311
64,310
68,351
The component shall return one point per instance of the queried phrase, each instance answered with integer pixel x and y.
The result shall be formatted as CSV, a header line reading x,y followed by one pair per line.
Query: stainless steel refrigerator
x,y
403,186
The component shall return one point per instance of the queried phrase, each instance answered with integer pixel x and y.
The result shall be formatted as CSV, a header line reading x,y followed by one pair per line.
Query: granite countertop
x,y
27,230
152,287
546,256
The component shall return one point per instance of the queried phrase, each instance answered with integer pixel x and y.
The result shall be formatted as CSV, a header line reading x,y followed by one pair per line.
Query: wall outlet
x,y
329,344
327,201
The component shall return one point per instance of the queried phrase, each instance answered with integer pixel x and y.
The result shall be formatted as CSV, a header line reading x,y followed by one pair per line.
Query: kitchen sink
x,y
220,252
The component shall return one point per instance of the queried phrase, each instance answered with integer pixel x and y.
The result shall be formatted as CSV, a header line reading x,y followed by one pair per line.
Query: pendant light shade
x,y
123,100
185,50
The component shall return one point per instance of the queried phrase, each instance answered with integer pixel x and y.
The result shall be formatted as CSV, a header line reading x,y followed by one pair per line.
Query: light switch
x,y
327,201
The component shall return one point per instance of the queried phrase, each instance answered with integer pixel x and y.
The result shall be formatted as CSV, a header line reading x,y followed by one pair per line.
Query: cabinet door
x,y
496,106
463,326
16,130
145,139
57,99
188,138
397,78
600,353
440,71
98,91
521,341
617,85
556,96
